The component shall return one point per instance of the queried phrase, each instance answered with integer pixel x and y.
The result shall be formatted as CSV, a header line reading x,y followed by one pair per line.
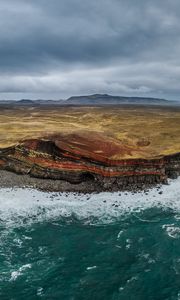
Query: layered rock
x,y
93,159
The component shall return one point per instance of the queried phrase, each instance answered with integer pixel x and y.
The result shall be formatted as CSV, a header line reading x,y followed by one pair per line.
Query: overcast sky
x,y
53,49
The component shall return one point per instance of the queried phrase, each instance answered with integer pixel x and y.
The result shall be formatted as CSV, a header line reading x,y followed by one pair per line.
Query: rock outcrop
x,y
92,159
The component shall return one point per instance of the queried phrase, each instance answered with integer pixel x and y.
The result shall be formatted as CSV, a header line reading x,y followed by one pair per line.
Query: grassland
x,y
150,131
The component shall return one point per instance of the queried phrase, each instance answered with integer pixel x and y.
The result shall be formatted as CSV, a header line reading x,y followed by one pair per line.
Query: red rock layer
x,y
79,158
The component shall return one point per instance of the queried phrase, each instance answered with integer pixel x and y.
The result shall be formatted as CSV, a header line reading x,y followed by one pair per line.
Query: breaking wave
x,y
19,207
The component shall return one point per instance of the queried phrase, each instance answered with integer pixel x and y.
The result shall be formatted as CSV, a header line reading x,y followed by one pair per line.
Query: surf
x,y
21,207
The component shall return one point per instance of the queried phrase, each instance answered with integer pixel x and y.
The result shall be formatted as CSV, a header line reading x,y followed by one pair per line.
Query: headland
x,y
89,149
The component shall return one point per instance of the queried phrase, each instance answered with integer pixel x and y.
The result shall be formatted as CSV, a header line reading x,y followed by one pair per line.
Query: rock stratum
x,y
97,161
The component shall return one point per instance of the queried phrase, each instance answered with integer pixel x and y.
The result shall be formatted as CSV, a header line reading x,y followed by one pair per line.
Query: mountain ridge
x,y
106,99
94,100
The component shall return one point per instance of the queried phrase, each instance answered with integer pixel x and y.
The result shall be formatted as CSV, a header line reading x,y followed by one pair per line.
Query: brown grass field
x,y
148,131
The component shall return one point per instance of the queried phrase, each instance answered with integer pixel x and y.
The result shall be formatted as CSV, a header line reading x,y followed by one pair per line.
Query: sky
x,y
53,49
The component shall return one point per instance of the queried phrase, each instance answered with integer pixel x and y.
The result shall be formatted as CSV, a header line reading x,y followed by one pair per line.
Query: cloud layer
x,y
54,49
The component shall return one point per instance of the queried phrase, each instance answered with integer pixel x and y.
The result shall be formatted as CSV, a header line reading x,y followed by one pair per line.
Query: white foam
x,y
19,272
91,268
172,230
40,291
26,206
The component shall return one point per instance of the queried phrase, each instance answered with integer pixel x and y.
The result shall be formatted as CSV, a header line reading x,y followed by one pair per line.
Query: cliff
x,y
93,159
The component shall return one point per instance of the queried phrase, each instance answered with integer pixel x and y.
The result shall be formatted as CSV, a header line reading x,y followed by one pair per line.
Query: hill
x,y
105,99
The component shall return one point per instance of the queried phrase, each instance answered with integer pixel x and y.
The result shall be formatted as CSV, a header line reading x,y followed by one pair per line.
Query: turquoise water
x,y
109,246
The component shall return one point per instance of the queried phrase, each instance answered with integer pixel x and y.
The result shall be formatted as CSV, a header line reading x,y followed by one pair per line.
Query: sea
x,y
107,246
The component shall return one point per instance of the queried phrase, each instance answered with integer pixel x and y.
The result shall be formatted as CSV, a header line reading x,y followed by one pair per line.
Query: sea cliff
x,y
90,163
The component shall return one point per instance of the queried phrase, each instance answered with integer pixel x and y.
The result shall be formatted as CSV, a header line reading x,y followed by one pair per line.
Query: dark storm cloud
x,y
78,46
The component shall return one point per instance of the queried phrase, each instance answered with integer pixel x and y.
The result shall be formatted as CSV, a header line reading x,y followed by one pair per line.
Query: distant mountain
x,y
28,102
91,100
105,99
25,102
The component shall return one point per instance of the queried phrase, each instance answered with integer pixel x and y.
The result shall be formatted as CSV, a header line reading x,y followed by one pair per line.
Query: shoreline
x,y
10,179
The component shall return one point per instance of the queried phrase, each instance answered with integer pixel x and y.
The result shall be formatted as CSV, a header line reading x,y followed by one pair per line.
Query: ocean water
x,y
96,247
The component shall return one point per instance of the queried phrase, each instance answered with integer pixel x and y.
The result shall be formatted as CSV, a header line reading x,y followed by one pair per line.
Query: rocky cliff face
x,y
87,159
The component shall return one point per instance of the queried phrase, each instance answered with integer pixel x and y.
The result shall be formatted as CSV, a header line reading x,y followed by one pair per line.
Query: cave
x,y
87,177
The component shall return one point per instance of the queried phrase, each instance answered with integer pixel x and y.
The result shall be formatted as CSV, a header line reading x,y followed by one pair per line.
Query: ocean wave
x,y
19,272
19,207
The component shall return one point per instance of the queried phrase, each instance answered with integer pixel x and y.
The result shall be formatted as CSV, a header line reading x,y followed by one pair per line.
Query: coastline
x,y
46,172
10,179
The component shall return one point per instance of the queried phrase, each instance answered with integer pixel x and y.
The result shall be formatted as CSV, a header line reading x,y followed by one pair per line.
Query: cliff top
x,y
123,132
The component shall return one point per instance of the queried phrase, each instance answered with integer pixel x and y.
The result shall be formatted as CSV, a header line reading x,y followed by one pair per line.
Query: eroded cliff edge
x,y
92,163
